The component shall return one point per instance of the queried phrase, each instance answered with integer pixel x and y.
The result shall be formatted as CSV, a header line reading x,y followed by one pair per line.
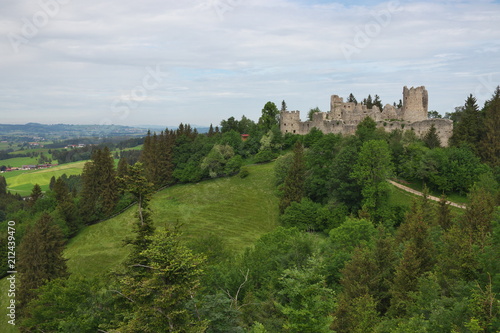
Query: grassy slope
x,y
23,182
239,209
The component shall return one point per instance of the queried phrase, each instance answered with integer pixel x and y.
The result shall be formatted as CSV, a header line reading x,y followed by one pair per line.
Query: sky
x,y
163,62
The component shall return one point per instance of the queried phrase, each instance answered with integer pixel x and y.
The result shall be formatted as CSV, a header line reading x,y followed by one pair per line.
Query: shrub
x,y
244,173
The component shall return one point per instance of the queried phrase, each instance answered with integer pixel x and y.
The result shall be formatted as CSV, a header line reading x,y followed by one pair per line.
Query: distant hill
x,y
38,131
41,132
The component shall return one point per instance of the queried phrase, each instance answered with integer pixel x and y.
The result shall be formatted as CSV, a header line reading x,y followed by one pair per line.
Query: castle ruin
x,y
344,117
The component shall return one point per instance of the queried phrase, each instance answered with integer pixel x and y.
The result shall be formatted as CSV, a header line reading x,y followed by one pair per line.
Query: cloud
x,y
222,58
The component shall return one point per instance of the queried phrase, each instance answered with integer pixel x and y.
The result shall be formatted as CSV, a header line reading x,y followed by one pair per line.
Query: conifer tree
x,y
352,99
444,215
283,106
469,129
36,193
52,182
3,185
61,190
165,159
294,185
160,289
431,138
418,258
490,143
40,258
137,184
99,186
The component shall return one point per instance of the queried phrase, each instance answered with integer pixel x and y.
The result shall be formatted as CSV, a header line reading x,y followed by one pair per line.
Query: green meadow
x,y
22,182
239,210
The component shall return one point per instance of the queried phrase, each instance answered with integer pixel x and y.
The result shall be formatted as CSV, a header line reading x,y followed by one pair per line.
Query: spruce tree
x,y
490,144
294,185
52,182
99,186
352,99
469,129
61,190
3,185
36,194
40,258
431,138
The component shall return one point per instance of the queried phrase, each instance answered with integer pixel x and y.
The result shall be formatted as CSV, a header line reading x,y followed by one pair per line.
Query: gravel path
x,y
408,189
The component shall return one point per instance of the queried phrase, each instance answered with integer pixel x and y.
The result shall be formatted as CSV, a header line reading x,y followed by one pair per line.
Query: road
x,y
408,189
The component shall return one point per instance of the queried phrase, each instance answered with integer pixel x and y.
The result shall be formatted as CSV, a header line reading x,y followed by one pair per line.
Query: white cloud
x,y
220,64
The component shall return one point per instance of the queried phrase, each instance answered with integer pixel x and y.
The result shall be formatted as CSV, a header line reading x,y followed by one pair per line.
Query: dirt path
x,y
408,189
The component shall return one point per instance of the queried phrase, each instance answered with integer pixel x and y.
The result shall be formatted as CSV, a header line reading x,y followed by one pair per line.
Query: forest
x,y
346,255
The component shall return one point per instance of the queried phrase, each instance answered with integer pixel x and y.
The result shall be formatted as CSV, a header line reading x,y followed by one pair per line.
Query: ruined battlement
x,y
344,117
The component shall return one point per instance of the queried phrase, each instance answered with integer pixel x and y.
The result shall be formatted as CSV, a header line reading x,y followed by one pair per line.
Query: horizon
x,y
202,61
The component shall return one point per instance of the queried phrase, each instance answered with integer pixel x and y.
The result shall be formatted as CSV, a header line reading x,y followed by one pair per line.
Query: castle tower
x,y
290,122
336,103
415,102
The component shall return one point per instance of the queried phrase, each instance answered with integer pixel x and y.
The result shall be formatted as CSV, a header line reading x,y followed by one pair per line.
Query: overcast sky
x,y
200,61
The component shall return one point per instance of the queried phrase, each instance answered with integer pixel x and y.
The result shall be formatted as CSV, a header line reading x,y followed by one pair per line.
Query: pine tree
x,y
211,131
283,106
36,194
160,288
489,146
40,258
352,99
3,185
444,215
52,182
61,190
377,102
469,129
99,186
418,258
165,159
431,138
294,185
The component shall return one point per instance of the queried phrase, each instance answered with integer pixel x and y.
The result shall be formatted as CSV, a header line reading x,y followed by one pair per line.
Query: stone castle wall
x,y
344,117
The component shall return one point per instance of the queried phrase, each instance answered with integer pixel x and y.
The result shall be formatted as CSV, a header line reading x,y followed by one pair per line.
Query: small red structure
x,y
244,137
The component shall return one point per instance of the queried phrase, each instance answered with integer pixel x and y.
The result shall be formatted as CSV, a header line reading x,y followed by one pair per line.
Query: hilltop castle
x,y
344,117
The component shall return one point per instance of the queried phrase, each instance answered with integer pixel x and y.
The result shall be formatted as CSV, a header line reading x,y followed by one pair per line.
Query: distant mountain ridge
x,y
67,131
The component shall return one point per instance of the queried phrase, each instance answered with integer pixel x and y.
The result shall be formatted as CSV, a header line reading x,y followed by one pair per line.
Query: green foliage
x,y
367,130
221,161
431,138
319,162
293,186
303,215
69,305
100,186
451,169
470,127
311,113
281,167
305,300
244,173
41,259
489,146
371,171
269,117
161,288
343,187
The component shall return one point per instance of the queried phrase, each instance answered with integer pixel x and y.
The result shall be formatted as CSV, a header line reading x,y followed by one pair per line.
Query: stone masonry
x,y
344,117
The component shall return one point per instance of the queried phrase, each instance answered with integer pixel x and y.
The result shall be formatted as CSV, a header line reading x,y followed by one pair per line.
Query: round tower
x,y
415,102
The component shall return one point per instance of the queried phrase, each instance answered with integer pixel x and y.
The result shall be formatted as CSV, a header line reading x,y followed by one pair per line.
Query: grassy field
x,y
22,182
241,210
17,162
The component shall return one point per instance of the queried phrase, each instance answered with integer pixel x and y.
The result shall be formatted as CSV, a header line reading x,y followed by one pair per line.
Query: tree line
x,y
346,258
